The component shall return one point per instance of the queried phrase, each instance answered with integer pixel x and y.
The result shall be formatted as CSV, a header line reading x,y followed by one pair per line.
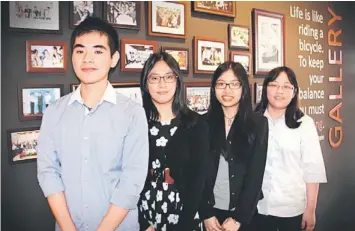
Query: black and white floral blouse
x,y
160,204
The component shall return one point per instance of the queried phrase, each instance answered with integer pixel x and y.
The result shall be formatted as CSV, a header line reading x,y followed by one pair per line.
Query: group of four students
x,y
105,163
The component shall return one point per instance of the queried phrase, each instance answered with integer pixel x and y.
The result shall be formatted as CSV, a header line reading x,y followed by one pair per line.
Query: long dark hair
x,y
293,112
179,107
215,112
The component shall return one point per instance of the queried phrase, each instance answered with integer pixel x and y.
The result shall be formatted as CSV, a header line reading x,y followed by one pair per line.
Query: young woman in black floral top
x,y
178,146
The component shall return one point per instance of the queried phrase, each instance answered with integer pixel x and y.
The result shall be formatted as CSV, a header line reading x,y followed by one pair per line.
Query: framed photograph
x,y
239,36
242,58
34,16
198,96
223,8
128,89
258,92
34,99
123,14
269,41
46,56
181,55
167,19
209,53
134,53
80,10
22,145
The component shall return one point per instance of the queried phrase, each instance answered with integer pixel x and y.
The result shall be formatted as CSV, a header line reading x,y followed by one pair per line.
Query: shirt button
x,y
86,206
230,142
86,159
231,159
233,193
232,176
86,182
86,138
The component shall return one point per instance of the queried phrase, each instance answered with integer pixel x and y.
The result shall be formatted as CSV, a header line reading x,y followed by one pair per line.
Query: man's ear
x,y
115,59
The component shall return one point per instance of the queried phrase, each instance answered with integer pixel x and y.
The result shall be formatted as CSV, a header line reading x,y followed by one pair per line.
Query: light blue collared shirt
x,y
96,157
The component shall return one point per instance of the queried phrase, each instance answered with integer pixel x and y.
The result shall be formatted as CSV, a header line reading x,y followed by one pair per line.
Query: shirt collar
x,y
268,116
109,95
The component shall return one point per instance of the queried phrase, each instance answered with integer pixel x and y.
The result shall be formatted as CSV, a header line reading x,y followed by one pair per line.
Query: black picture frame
x,y
124,26
96,12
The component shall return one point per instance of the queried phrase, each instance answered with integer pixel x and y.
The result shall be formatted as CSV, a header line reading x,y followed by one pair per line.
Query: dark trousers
x,y
32,108
222,215
271,223
40,108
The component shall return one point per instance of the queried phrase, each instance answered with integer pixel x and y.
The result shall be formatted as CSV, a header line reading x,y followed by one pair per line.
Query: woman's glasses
x,y
275,86
233,85
154,79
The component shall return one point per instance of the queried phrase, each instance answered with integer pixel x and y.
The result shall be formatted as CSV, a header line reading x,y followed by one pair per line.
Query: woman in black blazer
x,y
238,146
177,151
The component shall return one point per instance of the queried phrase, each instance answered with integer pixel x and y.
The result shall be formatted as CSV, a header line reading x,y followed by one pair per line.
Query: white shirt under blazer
x,y
294,158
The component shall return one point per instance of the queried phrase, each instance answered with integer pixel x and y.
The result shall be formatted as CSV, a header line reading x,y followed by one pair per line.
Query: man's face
x,y
92,58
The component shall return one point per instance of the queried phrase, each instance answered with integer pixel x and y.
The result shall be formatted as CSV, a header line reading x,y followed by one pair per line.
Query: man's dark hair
x,y
95,24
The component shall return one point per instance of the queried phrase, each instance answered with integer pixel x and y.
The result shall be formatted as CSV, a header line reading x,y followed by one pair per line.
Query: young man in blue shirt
x,y
93,145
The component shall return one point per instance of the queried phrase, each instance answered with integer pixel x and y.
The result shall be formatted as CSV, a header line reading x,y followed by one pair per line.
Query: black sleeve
x,y
143,223
251,191
195,175
206,207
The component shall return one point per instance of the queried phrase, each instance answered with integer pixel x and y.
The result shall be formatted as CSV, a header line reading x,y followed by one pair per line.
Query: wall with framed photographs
x,y
200,35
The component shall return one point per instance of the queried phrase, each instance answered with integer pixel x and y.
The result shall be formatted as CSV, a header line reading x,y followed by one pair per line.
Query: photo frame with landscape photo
x,y
181,55
34,99
269,41
35,16
46,56
129,89
167,19
134,53
197,95
242,58
208,53
239,36
222,8
22,145
80,10
123,14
